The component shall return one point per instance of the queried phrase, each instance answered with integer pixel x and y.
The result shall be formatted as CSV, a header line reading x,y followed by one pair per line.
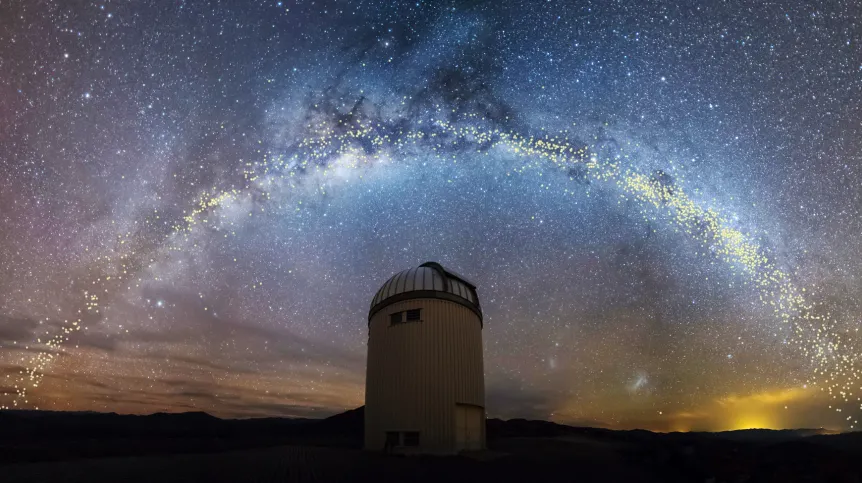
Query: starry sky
x,y
659,203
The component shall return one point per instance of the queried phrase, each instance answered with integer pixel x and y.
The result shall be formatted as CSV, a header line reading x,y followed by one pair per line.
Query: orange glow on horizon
x,y
760,410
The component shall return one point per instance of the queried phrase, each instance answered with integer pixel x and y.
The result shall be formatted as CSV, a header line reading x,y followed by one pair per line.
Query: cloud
x,y
239,398
95,340
769,409
17,329
766,398
507,398
20,334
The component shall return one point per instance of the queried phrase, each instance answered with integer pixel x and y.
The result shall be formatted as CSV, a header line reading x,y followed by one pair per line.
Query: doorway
x,y
469,425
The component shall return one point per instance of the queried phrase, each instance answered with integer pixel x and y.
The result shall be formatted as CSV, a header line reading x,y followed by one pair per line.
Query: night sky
x,y
660,204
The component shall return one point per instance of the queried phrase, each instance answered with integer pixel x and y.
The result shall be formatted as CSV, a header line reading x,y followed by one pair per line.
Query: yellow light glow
x,y
753,421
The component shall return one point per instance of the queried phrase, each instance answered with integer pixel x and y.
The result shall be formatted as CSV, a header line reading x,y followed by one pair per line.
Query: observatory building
x,y
425,384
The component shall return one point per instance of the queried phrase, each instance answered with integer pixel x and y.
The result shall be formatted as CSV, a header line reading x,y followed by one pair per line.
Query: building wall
x,y
418,371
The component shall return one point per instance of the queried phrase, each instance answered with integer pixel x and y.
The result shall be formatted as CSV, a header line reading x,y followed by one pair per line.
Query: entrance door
x,y
468,426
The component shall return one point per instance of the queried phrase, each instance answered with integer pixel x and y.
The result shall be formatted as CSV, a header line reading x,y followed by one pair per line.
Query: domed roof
x,y
429,280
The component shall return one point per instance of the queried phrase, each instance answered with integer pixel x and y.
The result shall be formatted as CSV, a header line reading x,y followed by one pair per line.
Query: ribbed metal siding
x,y
418,371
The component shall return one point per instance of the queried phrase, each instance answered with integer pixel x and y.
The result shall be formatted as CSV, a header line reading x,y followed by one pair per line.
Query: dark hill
x,y
351,422
201,447
50,435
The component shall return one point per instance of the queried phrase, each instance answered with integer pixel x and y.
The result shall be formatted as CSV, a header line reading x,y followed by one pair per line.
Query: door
x,y
460,426
474,427
468,426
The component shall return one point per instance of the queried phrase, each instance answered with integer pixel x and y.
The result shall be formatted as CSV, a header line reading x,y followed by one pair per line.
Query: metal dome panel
x,y
429,280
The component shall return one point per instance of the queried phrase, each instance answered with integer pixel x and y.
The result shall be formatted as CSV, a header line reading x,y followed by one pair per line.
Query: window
x,y
414,315
393,439
411,438
397,439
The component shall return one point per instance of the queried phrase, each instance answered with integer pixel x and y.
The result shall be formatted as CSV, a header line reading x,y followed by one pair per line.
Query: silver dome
x,y
429,280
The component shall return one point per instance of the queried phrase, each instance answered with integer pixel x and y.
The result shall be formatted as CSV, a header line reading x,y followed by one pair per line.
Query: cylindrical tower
x,y
425,381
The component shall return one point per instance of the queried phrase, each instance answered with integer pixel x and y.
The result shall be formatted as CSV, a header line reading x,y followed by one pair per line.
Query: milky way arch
x,y
349,143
